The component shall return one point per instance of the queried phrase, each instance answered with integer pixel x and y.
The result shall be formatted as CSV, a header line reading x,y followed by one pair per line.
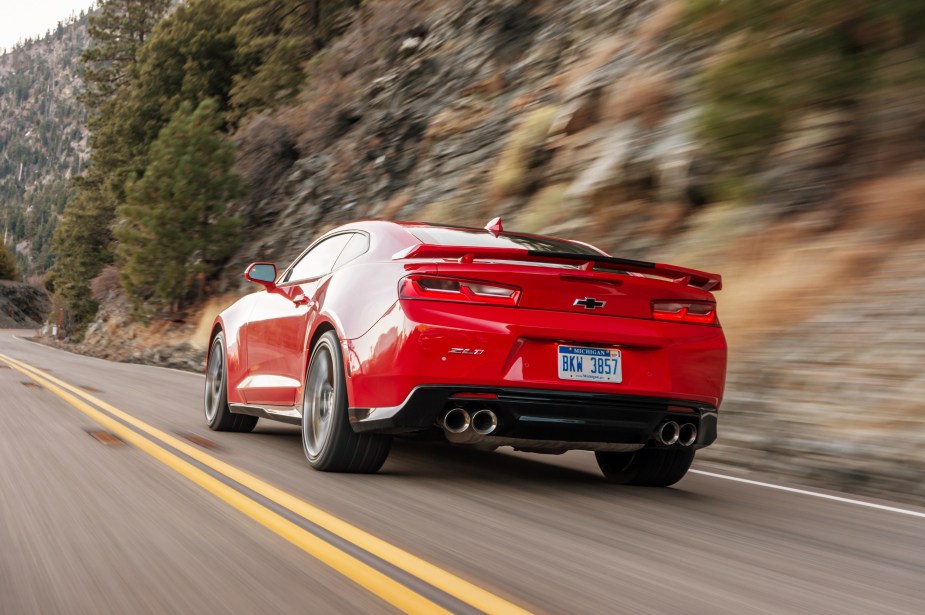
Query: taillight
x,y
699,313
460,291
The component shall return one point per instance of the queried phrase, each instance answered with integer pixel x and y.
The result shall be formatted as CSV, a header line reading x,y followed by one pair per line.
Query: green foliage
x,y
7,264
275,39
78,245
146,63
118,29
83,238
784,57
174,232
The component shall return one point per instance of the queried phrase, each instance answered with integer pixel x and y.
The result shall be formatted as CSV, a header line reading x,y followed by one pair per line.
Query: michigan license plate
x,y
590,364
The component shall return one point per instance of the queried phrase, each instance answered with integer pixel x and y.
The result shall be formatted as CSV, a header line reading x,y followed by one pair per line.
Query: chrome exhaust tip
x,y
687,434
484,422
667,433
456,420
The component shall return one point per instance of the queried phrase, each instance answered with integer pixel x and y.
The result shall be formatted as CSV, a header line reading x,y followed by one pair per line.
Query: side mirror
x,y
262,273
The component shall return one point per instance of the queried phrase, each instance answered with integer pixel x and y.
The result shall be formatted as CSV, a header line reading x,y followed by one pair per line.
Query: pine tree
x,y
118,30
77,245
173,231
83,237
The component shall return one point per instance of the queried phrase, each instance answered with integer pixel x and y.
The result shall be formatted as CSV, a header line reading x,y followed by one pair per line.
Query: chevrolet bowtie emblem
x,y
589,303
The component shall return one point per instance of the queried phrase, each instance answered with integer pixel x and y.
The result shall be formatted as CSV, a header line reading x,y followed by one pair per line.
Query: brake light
x,y
683,311
459,291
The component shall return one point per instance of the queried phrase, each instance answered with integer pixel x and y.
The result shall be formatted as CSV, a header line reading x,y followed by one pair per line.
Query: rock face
x,y
22,306
485,108
114,334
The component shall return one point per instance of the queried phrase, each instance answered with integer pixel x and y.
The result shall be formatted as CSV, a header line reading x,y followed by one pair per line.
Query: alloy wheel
x,y
319,402
215,382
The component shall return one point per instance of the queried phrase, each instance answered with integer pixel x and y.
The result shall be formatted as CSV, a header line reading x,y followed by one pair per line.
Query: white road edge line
x,y
86,356
903,511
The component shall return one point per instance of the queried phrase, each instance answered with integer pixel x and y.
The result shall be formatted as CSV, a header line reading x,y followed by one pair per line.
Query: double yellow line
x,y
379,583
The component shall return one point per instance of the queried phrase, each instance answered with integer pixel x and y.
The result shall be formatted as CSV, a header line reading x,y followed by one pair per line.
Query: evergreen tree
x,y
173,231
82,239
7,264
77,245
118,30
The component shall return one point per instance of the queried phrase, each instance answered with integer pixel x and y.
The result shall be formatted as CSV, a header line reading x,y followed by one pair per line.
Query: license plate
x,y
590,364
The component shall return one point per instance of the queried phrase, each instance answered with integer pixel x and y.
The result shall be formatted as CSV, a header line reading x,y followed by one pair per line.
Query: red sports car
x,y
484,337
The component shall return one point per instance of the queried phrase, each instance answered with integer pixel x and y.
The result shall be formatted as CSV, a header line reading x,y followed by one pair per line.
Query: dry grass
x,y
544,210
511,173
392,209
663,20
200,336
891,208
644,94
458,118
596,57
455,211
788,271
326,114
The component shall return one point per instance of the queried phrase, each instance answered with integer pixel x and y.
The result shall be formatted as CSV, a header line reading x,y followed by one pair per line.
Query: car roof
x,y
403,230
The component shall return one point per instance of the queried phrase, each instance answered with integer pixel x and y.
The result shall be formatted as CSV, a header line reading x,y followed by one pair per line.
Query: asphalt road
x,y
161,519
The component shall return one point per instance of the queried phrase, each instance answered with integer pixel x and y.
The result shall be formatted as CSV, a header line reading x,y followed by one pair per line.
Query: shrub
x,y
781,58
7,264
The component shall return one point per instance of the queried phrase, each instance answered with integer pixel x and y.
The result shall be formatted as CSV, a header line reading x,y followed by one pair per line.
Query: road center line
x,y
825,496
365,576
435,576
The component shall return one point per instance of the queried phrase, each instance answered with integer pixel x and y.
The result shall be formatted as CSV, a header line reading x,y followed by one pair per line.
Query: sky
x,y
20,19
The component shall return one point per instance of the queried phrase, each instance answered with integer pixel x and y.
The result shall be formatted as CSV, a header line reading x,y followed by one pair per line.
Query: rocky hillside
x,y
631,124
21,306
43,139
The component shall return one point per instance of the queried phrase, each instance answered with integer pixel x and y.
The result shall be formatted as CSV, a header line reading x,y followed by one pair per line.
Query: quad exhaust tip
x,y
456,420
484,422
687,434
667,433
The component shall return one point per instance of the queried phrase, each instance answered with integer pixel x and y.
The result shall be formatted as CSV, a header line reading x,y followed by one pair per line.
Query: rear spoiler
x,y
467,254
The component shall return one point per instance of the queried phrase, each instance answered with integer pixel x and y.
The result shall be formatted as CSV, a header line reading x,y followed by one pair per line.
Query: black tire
x,y
647,467
219,416
330,444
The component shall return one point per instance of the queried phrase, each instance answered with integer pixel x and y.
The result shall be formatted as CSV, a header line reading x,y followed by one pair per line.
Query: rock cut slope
x,y
22,306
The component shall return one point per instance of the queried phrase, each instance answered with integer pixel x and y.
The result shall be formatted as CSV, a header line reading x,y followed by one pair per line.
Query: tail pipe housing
x,y
484,422
456,420
667,433
687,434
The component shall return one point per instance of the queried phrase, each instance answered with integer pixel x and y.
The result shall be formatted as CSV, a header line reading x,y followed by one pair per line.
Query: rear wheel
x,y
648,467
218,416
330,443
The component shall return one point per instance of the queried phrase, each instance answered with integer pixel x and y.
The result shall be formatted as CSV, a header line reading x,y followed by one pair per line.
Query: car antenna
x,y
494,226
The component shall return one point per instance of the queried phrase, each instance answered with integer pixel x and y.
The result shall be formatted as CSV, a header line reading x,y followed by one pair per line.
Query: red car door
x,y
275,336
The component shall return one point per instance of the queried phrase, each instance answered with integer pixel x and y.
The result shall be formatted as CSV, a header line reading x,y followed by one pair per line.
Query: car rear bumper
x,y
430,343
545,415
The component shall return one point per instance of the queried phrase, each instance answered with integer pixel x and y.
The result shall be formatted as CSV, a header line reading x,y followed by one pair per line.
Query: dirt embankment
x,y
22,306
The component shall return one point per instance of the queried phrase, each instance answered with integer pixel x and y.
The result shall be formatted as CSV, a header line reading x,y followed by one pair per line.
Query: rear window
x,y
484,239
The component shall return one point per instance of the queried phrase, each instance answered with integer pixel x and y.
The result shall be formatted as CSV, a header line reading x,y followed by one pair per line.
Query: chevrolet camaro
x,y
480,336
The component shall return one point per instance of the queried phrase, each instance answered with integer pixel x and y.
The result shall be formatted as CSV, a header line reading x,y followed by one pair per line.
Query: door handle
x,y
302,300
